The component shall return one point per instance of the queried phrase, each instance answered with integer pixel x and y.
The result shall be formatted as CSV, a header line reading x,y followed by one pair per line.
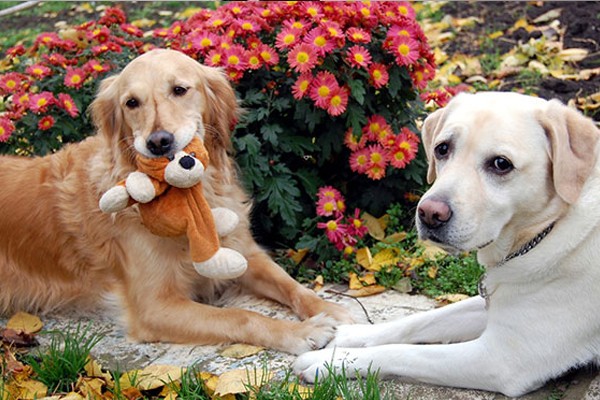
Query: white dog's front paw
x,y
318,364
140,187
114,199
225,220
355,335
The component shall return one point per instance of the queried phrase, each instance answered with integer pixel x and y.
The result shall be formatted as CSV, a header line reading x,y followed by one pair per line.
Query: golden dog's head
x,y
160,101
505,166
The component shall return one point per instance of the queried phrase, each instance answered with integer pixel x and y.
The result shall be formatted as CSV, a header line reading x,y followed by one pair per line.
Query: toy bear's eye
x,y
193,154
170,157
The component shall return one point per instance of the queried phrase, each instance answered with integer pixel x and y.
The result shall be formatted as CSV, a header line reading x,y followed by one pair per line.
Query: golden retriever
x,y
57,249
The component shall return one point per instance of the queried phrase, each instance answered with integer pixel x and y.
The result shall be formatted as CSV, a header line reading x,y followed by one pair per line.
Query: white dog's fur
x,y
542,313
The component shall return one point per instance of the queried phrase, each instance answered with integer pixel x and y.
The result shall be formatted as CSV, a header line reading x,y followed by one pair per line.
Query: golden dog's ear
x,y
220,114
104,108
573,139
431,128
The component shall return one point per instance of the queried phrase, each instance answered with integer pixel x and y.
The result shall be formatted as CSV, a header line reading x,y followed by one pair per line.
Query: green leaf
x,y
270,133
358,91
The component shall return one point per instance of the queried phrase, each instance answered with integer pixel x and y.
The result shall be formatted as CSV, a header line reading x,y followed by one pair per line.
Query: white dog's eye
x,y
179,90
500,165
441,150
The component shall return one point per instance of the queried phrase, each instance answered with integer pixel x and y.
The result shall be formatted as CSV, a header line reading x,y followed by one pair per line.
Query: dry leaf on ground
x,y
25,322
241,350
238,381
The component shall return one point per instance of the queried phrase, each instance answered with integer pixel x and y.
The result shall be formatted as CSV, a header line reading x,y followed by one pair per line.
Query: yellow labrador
x,y
516,178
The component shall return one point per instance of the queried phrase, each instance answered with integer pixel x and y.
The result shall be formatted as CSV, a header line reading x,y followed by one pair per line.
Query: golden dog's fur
x,y
57,249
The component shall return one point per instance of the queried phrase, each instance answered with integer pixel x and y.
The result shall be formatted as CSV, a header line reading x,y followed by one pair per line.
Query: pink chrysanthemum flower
x,y
75,77
335,231
235,57
287,38
254,60
66,103
39,103
10,82
204,41
302,58
322,88
352,141
301,86
46,123
39,71
376,126
319,40
94,68
333,29
356,226
359,160
338,101
358,35
404,9
132,30
329,192
358,56
6,128
268,55
406,50
378,75
214,58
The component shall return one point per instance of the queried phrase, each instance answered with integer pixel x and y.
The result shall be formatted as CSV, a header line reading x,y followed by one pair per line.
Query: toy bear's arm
x,y
138,187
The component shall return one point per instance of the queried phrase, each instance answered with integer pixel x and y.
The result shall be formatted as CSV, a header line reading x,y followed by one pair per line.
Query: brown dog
x,y
57,248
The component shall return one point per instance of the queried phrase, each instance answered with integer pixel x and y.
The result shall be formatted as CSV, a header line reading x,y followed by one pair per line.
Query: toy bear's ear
x,y
220,114
107,116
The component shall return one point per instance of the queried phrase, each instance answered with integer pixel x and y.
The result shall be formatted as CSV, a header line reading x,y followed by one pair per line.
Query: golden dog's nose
x,y
160,142
434,213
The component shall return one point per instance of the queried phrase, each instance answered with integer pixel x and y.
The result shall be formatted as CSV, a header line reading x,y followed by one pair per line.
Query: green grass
x,y
62,363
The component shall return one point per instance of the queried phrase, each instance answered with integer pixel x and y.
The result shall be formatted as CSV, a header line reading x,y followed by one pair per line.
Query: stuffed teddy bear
x,y
171,203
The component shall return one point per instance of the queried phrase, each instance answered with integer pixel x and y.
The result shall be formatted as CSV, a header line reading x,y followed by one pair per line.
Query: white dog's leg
x,y
477,364
456,322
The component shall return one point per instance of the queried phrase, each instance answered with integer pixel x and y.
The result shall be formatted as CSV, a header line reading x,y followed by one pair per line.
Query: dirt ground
x,y
582,30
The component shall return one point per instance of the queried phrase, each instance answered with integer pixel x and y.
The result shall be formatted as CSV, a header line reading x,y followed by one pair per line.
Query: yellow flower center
x,y
403,10
323,91
205,42
247,26
254,60
302,57
336,100
76,79
376,74
328,207
289,38
320,41
332,225
233,60
403,49
11,84
359,58
376,157
303,86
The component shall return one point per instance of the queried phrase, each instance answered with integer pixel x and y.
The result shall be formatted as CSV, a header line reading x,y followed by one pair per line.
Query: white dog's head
x,y
505,166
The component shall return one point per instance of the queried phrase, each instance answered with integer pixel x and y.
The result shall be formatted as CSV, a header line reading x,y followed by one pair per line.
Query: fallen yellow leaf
x,y
297,255
28,390
366,291
91,388
573,55
241,350
151,377
93,369
451,298
385,258
431,251
318,283
25,322
363,257
239,380
374,226
432,272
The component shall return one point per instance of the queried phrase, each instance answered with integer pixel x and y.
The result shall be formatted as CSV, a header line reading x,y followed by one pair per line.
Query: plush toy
x,y
171,203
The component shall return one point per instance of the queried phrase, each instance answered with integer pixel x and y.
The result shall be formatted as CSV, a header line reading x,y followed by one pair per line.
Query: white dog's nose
x,y
434,213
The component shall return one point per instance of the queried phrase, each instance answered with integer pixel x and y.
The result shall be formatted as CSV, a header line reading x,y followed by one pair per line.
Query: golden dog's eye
x,y
179,91
132,103
501,165
441,150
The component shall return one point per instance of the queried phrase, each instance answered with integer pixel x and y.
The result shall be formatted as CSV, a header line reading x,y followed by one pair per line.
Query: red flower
x,y
39,103
302,58
6,128
358,35
268,55
338,100
66,103
302,85
254,59
94,68
319,40
132,30
322,88
11,82
356,226
287,38
352,141
378,75
235,57
38,70
359,160
406,50
48,39
214,58
358,56
46,123
75,77
16,51
376,127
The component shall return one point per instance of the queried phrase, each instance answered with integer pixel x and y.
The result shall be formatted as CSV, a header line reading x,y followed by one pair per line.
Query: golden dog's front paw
x,y
312,334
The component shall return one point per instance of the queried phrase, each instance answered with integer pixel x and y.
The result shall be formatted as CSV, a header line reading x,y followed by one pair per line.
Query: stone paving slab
x,y
115,352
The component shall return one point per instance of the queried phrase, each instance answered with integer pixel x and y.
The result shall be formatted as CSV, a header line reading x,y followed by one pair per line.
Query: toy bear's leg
x,y
209,259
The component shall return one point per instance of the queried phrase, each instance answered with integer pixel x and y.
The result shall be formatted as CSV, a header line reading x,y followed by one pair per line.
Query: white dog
x,y
516,178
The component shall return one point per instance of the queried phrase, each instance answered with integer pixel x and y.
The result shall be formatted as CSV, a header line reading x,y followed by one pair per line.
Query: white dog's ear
x,y
573,139
431,128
